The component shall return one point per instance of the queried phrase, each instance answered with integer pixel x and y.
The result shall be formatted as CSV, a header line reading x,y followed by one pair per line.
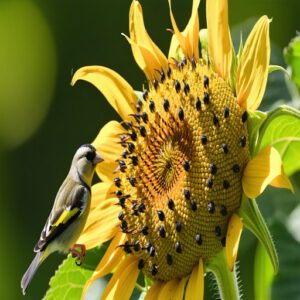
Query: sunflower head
x,y
176,168
180,171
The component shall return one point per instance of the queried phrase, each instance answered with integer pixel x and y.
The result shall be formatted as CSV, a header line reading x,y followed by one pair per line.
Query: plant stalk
x,y
226,280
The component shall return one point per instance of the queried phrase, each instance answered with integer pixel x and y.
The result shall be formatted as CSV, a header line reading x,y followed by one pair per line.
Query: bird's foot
x,y
78,251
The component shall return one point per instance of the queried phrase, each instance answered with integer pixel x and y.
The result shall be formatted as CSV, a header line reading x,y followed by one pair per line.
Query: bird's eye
x,y
90,156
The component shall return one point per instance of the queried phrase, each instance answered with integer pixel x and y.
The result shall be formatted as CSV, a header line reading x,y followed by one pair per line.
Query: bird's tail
x,y
27,277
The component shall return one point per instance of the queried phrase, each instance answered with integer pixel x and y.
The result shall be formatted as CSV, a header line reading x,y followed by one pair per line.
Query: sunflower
x,y
179,177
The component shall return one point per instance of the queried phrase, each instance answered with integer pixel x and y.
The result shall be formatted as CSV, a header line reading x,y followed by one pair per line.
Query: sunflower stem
x,y
226,280
254,221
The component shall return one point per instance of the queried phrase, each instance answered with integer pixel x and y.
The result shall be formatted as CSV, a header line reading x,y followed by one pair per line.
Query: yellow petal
x,y
108,140
106,170
112,255
111,258
102,223
94,239
108,144
266,168
234,231
147,60
99,191
168,289
219,39
189,38
282,181
108,217
153,292
101,202
252,73
195,287
122,283
146,54
115,88
179,291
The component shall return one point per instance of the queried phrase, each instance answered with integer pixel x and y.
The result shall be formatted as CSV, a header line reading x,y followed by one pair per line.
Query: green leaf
x,y
254,122
281,129
273,68
69,280
292,57
263,274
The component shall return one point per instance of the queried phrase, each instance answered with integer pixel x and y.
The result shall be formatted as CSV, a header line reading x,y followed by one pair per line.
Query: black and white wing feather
x,y
66,209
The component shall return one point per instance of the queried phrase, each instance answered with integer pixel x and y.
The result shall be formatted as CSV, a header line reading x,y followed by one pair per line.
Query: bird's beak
x,y
98,158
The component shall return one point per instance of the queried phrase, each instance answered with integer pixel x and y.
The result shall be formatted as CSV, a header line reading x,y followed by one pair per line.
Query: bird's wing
x,y
61,218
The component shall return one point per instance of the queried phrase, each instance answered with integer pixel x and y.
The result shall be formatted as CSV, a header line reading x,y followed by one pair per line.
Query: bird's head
x,y
85,160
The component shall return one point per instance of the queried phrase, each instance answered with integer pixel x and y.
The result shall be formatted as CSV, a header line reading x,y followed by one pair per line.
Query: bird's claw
x,y
79,255
78,262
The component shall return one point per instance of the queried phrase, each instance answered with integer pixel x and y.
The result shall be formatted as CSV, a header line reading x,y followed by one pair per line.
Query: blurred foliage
x,y
42,44
281,129
292,57
28,66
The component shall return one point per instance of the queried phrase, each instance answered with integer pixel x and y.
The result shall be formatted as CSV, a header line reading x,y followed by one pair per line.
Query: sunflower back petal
x,y
234,231
146,54
153,292
179,291
264,169
168,289
195,286
252,73
189,38
219,39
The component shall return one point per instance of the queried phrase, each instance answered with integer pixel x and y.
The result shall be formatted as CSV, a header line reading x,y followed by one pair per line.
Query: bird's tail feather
x,y
27,277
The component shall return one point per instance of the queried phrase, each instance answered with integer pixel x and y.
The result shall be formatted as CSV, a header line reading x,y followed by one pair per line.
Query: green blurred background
x,y
43,119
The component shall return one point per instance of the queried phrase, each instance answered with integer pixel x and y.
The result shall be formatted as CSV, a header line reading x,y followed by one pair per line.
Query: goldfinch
x,y
69,212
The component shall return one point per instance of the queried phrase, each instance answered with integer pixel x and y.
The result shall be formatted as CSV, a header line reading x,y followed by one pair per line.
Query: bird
x,y
69,213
